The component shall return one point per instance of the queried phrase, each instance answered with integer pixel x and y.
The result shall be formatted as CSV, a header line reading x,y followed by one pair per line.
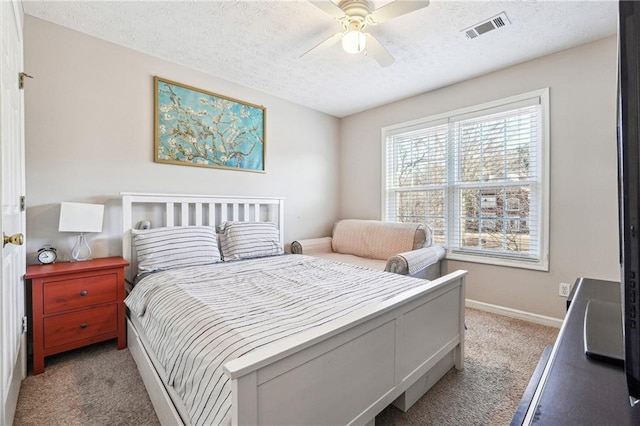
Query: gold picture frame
x,y
194,127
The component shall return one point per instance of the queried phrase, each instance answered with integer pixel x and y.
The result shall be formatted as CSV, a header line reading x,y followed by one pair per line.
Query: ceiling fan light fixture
x,y
354,41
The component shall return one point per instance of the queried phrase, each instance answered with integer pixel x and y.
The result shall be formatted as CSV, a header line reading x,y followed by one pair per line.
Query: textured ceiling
x,y
258,43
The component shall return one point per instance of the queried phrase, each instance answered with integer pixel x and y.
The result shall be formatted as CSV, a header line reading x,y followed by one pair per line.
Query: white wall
x,y
89,136
583,204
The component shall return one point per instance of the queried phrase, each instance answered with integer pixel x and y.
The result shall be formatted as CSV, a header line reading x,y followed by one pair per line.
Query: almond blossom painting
x,y
198,128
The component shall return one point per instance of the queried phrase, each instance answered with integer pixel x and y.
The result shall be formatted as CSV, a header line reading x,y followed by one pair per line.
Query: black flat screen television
x,y
629,186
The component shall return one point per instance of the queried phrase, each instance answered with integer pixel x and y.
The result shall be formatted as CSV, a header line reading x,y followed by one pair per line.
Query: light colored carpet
x,y
100,385
90,386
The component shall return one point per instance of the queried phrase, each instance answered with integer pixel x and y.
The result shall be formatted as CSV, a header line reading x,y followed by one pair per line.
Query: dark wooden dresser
x,y
572,389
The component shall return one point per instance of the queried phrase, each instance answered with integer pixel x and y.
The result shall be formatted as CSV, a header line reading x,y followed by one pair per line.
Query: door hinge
x,y
22,203
21,77
24,324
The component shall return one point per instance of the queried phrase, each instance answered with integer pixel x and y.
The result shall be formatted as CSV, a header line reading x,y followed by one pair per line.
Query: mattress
x,y
197,319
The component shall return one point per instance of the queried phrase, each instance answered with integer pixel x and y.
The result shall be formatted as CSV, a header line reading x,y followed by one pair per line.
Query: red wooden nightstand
x,y
76,304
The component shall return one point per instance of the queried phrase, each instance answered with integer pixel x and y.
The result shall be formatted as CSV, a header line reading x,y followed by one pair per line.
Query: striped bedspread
x,y
196,319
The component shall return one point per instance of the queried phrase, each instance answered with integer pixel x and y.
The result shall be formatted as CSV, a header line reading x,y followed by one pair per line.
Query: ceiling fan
x,y
355,16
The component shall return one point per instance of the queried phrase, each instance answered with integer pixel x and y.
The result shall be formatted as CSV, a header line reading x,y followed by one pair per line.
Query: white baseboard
x,y
514,313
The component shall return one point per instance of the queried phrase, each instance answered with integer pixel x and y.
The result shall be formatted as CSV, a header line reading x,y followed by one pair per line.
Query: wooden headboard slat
x,y
224,210
169,211
212,213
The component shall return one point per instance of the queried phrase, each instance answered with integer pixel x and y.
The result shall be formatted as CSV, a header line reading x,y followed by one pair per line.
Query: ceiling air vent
x,y
491,24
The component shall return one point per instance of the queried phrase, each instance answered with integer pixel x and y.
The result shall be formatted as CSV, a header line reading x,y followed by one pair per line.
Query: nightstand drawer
x,y
63,329
60,296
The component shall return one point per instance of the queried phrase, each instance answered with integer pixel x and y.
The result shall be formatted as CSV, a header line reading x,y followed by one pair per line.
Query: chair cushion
x,y
374,239
375,264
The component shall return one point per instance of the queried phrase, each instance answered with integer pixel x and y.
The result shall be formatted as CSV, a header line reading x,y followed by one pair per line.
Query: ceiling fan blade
x,y
328,7
397,8
378,52
323,45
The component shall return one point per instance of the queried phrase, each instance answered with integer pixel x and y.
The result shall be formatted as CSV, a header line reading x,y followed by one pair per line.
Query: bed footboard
x,y
347,371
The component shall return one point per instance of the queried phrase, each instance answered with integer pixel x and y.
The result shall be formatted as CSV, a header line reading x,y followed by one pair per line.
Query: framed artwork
x,y
194,127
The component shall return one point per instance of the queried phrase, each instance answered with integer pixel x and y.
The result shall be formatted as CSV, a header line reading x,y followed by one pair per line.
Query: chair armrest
x,y
414,261
312,246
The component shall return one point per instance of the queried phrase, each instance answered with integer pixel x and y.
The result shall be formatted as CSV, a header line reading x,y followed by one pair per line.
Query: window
x,y
477,177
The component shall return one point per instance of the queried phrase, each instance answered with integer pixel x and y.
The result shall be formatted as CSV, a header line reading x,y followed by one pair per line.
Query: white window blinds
x,y
417,177
476,177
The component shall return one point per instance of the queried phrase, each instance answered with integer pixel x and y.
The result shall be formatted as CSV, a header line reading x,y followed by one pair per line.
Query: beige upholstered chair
x,y
402,248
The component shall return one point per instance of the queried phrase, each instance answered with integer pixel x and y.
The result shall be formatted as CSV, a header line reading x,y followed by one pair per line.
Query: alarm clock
x,y
47,254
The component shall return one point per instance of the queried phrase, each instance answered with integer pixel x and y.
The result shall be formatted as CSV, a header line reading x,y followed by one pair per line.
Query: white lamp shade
x,y
80,217
354,41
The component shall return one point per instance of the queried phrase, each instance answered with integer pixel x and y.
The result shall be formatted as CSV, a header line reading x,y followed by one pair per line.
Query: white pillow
x,y
175,247
246,240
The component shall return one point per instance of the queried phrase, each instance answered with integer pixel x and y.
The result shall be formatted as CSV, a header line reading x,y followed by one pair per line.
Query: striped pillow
x,y
175,247
245,240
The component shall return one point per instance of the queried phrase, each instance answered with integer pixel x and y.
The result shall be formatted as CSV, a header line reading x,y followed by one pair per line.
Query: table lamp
x,y
80,217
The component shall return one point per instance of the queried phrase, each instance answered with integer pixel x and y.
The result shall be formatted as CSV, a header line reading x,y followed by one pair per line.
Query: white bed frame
x,y
344,372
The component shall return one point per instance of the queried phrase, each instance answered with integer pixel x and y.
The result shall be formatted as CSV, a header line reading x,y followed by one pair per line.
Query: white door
x,y
12,261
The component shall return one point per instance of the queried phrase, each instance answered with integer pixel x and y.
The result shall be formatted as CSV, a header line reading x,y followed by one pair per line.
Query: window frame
x,y
542,208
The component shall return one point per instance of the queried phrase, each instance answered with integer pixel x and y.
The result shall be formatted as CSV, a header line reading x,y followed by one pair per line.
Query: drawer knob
x,y
83,293
83,325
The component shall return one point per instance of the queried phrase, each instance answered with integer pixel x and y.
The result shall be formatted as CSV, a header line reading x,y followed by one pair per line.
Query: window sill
x,y
541,265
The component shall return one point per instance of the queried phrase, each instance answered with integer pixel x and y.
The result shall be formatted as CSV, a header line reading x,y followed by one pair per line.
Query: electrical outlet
x,y
565,289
